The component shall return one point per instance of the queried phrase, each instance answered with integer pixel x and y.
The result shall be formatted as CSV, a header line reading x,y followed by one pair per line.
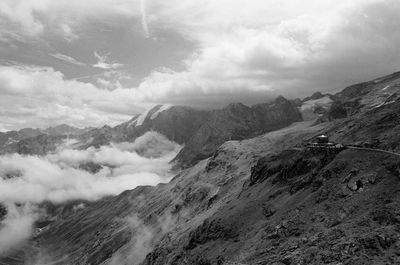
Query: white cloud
x,y
68,33
31,18
104,64
244,51
290,48
39,96
22,13
16,227
68,59
58,178
143,239
27,181
143,12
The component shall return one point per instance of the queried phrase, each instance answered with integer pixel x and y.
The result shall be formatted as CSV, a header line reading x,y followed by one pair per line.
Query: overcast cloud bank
x,y
241,51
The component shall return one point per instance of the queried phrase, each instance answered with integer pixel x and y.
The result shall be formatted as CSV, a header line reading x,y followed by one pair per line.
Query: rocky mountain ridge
x,y
200,131
237,122
10,139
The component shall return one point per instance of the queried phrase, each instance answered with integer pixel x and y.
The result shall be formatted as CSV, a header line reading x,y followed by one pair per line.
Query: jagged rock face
x,y
38,145
277,114
236,122
233,122
15,136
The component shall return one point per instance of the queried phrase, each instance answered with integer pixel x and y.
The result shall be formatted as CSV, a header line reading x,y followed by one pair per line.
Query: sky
x,y
96,62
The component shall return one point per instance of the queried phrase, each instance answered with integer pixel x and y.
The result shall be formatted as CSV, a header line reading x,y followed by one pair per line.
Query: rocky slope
x,y
263,200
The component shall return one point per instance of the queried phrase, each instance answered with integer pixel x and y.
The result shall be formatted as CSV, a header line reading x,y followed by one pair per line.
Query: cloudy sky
x,y
93,62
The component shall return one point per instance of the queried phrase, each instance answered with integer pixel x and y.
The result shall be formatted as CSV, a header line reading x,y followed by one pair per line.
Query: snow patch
x,y
132,122
161,109
142,117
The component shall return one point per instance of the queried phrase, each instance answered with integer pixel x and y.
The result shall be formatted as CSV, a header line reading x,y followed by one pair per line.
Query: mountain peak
x,y
61,129
281,99
314,96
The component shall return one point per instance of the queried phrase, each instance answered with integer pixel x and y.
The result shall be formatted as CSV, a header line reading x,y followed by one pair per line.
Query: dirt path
x,y
374,150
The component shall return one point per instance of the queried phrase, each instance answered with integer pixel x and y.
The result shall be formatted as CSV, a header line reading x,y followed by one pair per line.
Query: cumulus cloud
x,y
32,18
58,177
53,98
287,48
245,51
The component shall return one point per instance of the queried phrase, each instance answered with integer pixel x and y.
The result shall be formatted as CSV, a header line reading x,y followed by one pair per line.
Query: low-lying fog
x,y
70,174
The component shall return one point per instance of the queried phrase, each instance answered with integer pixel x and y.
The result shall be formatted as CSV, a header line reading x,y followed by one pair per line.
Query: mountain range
x,y
246,190
200,131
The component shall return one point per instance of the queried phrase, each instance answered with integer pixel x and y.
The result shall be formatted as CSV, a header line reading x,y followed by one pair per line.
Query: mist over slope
x,y
77,175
